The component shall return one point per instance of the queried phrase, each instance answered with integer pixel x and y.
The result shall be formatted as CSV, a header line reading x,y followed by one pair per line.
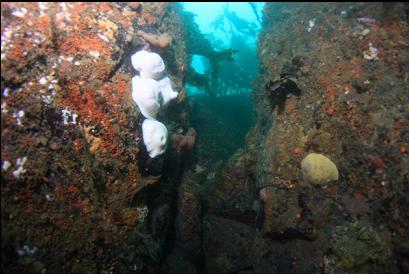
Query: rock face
x,y
75,191
358,248
237,255
319,93
79,193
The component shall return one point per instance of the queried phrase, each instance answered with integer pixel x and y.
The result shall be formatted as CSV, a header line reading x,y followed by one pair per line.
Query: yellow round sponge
x,y
318,169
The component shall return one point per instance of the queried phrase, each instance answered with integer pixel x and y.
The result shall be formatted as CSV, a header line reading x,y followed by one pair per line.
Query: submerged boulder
x,y
227,245
358,248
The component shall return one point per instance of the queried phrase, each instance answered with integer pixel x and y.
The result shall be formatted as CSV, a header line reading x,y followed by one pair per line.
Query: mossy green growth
x,y
358,247
318,169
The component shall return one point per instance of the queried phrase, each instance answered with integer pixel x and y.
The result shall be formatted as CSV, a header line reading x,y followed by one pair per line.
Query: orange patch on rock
x,y
331,111
77,145
291,104
16,53
73,190
378,163
73,45
329,89
105,7
298,216
346,87
297,150
392,27
44,24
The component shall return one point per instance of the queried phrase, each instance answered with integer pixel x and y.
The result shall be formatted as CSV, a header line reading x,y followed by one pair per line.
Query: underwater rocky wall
x,y
334,81
77,191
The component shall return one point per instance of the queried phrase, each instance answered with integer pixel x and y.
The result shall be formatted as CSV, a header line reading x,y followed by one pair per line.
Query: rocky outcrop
x,y
334,82
75,173
80,194
227,245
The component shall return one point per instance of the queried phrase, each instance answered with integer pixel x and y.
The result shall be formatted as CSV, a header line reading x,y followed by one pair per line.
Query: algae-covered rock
x,y
318,169
227,245
71,179
358,248
283,215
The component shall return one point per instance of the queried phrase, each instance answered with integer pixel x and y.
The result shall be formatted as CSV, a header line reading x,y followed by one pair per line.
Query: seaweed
x,y
198,44
279,90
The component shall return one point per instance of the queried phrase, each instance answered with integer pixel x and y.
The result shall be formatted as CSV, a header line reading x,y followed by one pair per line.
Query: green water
x,y
220,90
221,124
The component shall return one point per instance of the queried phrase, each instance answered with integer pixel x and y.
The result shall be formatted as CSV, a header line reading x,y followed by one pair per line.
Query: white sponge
x,y
166,91
149,64
155,137
145,93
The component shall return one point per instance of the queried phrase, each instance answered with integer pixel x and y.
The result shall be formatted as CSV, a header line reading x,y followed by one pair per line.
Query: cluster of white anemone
x,y
152,91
